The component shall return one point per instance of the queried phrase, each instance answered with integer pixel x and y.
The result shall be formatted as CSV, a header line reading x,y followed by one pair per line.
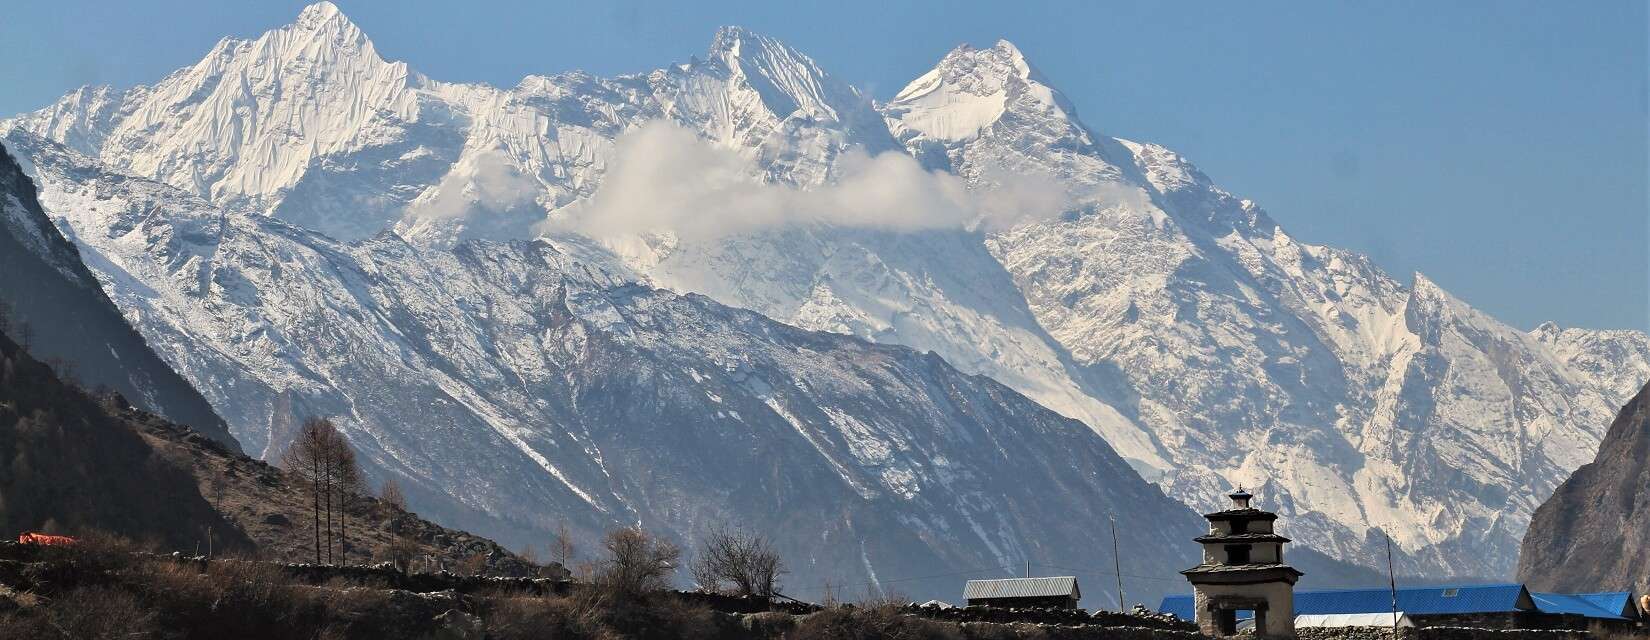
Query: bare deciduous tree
x,y
323,459
390,493
400,552
737,562
346,483
637,563
561,546
472,565
219,486
305,458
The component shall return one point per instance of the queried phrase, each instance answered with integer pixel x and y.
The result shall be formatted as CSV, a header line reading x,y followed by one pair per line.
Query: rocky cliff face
x,y
55,304
1593,534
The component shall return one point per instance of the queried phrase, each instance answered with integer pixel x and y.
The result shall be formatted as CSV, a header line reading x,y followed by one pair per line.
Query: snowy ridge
x,y
1254,358
1206,344
511,385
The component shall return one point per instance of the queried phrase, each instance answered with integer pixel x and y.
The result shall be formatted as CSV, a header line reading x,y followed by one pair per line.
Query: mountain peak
x,y
786,79
1002,61
738,47
970,89
728,39
318,13
326,20
1007,52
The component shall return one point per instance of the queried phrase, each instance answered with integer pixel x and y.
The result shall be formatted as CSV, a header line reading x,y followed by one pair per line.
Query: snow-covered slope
x,y
377,145
1253,357
512,387
1201,340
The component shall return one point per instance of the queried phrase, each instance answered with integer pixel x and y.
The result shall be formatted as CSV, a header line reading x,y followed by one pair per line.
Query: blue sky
x,y
1498,147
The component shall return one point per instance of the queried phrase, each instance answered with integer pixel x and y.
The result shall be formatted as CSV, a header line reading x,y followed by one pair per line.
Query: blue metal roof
x,y
1610,605
1182,607
1616,602
1484,598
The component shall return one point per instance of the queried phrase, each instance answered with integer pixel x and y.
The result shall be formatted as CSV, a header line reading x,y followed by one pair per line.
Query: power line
x,y
878,583
1103,572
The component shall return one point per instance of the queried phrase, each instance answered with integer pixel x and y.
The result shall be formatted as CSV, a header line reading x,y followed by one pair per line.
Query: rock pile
x,y
1140,617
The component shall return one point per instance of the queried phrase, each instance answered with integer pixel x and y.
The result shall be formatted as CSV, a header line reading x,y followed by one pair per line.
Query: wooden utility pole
x,y
1392,584
1117,566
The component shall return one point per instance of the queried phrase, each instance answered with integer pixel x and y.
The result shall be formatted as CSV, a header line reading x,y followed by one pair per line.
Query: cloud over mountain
x,y
665,177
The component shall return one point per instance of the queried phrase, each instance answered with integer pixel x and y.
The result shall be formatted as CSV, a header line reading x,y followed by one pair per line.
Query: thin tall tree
x,y
347,482
306,458
327,475
561,546
390,493
324,460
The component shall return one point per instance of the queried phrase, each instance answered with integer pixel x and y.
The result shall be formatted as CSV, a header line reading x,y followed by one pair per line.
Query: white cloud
x,y
665,178
489,183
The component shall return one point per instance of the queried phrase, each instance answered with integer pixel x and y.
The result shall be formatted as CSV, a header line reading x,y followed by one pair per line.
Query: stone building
x,y
1243,570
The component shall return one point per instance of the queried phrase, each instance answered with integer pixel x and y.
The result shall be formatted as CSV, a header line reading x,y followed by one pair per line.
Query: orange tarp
x,y
44,539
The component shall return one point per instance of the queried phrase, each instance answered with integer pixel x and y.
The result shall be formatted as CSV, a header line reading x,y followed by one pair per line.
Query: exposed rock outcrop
x,y
1593,534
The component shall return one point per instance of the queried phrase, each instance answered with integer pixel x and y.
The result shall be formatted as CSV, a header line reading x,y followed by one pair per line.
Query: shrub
x,y
230,599
529,618
871,623
83,613
471,565
400,552
737,563
638,563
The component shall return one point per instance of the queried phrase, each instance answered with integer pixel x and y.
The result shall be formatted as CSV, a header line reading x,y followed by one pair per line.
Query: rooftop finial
x,y
1240,498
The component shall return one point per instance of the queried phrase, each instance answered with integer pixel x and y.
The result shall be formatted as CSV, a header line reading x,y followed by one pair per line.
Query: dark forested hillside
x,y
76,463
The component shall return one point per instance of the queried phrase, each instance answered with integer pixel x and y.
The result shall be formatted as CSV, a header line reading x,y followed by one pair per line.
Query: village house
x,y
1021,593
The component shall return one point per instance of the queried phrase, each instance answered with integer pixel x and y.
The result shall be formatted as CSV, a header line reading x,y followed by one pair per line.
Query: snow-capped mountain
x,y
512,387
1253,357
1181,323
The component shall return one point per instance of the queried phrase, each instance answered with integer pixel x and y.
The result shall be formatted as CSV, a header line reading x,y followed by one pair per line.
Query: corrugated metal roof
x,y
1616,602
1385,619
1608,605
1183,607
1486,598
1021,588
